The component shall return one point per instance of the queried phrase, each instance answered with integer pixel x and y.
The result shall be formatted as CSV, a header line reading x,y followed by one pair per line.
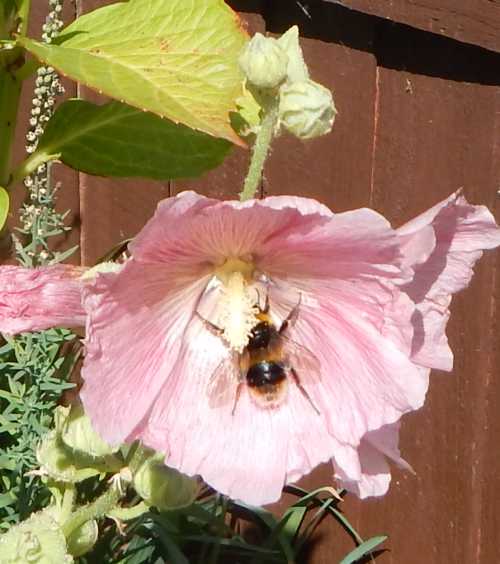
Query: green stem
x,y
10,91
260,150
68,501
98,508
23,13
30,164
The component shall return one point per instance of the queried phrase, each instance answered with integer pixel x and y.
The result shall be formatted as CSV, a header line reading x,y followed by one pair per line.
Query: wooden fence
x,y
419,117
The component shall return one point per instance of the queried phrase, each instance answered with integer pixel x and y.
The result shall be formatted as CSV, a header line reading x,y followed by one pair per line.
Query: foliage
x,y
33,375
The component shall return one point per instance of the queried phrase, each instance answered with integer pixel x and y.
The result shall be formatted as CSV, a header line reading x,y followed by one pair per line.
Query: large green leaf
x,y
175,58
4,206
118,140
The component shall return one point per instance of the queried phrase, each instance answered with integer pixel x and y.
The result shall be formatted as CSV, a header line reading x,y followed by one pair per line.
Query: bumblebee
x,y
267,366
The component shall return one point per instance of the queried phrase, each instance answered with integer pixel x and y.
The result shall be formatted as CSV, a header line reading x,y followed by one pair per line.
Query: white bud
x,y
264,62
306,109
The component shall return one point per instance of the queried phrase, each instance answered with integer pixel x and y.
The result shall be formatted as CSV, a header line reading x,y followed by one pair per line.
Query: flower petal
x,y
461,233
375,475
249,454
367,378
136,320
32,299
351,245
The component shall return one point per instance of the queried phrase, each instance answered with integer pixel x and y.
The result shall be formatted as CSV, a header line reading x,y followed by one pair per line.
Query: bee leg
x,y
291,318
303,391
266,304
237,397
215,329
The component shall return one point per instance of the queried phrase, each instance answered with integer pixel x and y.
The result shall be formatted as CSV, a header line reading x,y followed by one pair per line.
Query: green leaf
x,y
177,59
118,140
363,549
4,206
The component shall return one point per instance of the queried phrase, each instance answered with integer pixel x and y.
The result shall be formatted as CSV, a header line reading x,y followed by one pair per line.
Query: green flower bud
x,y
38,540
57,462
163,487
264,62
77,433
306,109
297,69
82,539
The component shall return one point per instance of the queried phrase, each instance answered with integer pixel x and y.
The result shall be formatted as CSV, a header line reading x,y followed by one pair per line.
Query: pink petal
x,y
249,455
136,320
32,299
353,245
461,233
375,475
367,380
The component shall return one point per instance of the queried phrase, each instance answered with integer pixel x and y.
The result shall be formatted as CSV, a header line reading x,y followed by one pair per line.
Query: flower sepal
x,y
63,462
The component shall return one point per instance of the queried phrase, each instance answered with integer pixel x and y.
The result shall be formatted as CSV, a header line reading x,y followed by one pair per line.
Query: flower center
x,y
238,302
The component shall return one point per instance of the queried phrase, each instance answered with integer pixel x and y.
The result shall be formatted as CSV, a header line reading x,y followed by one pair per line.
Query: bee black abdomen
x,y
265,373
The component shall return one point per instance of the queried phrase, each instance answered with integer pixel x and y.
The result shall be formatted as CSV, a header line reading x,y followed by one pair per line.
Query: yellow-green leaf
x,y
4,206
175,58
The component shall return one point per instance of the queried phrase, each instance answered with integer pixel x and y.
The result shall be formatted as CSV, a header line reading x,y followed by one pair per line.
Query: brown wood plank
x,y
434,136
471,21
335,168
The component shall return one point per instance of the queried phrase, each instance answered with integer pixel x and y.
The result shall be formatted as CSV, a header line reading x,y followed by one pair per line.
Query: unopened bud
x,y
264,62
82,539
38,539
306,109
77,433
163,487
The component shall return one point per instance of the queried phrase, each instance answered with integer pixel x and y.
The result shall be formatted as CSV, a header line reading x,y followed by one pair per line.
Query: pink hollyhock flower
x,y
368,305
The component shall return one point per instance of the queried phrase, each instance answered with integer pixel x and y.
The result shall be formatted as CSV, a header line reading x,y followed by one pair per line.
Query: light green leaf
x,y
363,549
118,140
176,58
4,206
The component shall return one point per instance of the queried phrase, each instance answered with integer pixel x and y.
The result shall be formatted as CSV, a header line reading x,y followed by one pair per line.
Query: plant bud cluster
x,y
276,67
39,219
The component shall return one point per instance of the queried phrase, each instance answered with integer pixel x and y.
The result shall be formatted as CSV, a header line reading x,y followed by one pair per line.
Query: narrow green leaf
x,y
177,59
118,140
363,549
4,206
295,517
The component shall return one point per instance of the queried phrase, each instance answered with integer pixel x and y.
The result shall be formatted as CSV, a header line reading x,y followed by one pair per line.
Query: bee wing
x,y
223,383
302,360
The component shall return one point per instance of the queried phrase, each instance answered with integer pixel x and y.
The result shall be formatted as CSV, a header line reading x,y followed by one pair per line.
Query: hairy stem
x,y
260,150
95,510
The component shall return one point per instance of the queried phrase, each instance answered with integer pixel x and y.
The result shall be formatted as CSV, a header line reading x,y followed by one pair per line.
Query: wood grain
x,y
471,21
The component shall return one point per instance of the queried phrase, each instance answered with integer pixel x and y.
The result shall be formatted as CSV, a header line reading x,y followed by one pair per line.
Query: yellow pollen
x,y
237,305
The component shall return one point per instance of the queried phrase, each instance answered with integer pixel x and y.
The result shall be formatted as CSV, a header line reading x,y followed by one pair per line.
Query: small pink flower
x,y
371,307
